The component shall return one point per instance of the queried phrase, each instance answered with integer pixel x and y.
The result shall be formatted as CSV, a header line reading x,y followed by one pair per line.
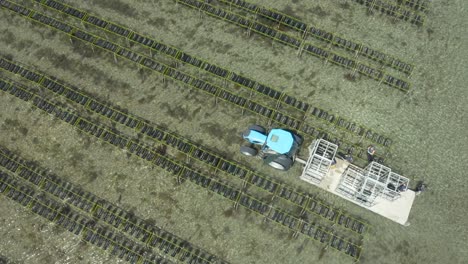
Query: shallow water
x,y
428,126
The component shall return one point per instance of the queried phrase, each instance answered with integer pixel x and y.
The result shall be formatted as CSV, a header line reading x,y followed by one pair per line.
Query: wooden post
x,y
305,205
362,137
371,5
410,74
244,184
304,35
267,213
236,203
301,47
200,11
353,74
276,192
296,232
383,75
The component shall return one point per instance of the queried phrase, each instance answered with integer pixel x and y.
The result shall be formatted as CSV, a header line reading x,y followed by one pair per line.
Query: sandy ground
x,y
428,126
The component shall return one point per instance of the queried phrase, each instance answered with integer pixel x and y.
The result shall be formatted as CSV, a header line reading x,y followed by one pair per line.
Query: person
x,y
370,153
403,187
421,187
346,157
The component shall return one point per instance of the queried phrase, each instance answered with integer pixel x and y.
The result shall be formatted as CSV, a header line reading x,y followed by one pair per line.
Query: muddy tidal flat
x,y
121,122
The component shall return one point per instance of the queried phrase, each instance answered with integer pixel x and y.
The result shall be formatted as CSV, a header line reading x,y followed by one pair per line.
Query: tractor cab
x,y
277,148
256,137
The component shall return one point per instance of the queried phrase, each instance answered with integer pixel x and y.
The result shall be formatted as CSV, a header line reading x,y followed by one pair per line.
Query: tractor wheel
x,y
298,139
248,151
258,128
282,162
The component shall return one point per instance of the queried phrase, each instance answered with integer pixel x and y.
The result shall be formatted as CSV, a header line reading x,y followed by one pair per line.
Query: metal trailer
x,y
374,187
321,157
362,185
375,180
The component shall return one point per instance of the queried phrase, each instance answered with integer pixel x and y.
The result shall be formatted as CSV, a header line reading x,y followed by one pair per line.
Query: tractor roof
x,y
280,140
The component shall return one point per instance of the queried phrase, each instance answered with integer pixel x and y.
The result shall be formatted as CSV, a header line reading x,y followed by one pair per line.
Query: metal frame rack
x,y
322,154
365,185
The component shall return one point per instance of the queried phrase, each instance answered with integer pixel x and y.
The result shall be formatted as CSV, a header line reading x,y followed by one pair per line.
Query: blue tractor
x,y
278,148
